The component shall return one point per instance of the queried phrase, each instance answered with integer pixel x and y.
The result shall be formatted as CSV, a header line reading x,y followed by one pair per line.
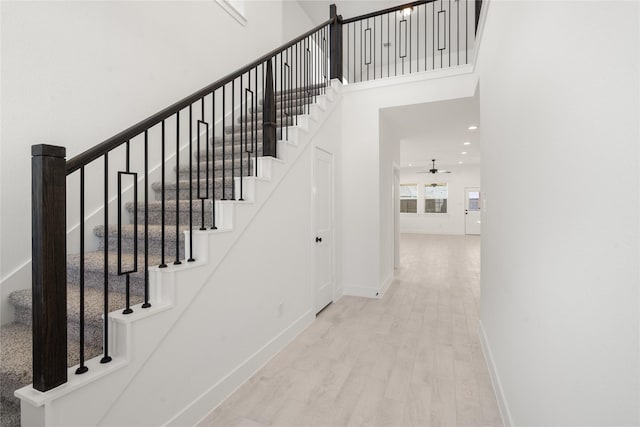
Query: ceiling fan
x,y
433,169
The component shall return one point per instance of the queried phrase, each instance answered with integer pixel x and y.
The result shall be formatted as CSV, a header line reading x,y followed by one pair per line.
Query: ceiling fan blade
x,y
444,171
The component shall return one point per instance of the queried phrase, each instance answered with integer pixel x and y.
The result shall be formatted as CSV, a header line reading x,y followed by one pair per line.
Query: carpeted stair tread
x,y
93,304
16,356
155,232
214,168
9,413
169,206
94,261
286,120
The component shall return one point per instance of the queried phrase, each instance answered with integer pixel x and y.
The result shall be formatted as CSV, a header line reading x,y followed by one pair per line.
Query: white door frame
x,y
395,207
314,225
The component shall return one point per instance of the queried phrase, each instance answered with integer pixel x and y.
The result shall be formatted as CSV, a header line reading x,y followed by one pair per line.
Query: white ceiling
x,y
318,10
437,130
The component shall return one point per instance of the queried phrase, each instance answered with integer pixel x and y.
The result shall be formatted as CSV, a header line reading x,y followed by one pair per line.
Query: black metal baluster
x,y
82,368
348,41
233,139
409,38
458,32
395,44
206,173
241,138
224,132
433,36
426,27
213,160
106,358
361,51
466,31
162,202
381,44
281,99
418,39
388,47
255,121
448,44
191,258
127,309
177,261
146,303
296,101
441,63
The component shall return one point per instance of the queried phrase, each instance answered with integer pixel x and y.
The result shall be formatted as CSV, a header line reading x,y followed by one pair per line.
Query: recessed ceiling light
x,y
464,152
466,143
473,127
407,11
410,165
460,162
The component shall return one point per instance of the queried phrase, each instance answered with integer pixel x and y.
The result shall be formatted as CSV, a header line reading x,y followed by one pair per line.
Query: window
x,y
408,198
474,201
435,198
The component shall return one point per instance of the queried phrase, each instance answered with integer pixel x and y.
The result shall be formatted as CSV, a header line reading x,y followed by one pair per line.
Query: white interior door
x,y
472,211
323,191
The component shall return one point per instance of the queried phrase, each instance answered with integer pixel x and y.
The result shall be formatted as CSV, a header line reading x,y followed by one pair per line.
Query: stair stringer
x,y
88,399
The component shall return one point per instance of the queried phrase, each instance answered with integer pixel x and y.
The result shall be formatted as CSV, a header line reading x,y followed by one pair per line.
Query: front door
x,y
472,211
324,228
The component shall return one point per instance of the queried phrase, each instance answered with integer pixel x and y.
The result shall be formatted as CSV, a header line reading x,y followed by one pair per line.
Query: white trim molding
x,y
503,406
235,8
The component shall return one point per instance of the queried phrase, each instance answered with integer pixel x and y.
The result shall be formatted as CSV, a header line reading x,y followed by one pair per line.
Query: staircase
x,y
16,351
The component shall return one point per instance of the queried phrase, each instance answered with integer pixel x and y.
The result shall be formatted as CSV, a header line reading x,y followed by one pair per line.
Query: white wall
x,y
76,73
560,231
363,245
452,222
236,313
295,20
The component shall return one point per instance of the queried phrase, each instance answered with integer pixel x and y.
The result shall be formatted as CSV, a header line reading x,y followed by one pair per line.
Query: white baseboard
x,y
507,421
360,291
204,404
385,285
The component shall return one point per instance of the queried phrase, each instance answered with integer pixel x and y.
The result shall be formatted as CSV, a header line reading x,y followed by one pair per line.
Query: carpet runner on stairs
x,y
16,352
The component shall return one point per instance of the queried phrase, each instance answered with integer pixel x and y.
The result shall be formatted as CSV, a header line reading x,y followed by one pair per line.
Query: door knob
x,y
318,239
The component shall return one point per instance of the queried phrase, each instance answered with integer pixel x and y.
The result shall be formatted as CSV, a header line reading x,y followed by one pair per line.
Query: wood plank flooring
x,y
412,358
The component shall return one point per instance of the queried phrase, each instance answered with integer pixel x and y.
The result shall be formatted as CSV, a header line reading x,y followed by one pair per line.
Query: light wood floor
x,y
412,358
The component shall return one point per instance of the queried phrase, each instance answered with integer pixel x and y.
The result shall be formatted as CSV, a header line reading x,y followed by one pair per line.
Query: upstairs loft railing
x,y
413,37
224,128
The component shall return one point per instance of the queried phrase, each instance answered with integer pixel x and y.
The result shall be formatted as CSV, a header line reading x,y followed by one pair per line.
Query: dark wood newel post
x,y
49,266
335,57
269,114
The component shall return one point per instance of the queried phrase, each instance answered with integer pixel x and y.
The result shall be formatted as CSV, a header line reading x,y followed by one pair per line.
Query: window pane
x,y
409,206
435,198
474,200
408,191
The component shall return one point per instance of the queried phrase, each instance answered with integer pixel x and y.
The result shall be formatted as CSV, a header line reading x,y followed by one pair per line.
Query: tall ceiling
x,y
438,131
318,10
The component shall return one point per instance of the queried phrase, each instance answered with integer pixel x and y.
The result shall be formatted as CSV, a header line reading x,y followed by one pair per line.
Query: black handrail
x,y
115,141
385,11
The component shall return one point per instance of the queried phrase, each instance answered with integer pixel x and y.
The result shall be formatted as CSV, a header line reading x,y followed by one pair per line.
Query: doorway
x,y
323,210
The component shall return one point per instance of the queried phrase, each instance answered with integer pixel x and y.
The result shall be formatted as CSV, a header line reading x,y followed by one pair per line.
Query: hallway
x,y
412,358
